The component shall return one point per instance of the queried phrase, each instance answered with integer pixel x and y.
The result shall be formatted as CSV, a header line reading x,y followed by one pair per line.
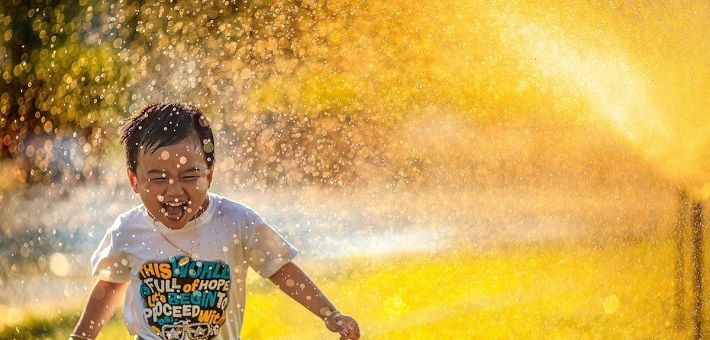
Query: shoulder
x,y
129,220
230,209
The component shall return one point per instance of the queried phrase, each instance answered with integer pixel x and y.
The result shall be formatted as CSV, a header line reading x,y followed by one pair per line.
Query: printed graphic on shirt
x,y
185,301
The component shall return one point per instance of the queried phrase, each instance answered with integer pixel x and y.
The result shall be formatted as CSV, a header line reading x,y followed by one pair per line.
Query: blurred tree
x,y
74,68
62,85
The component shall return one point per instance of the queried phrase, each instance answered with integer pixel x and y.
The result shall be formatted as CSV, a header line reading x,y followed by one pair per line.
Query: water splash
x,y
632,93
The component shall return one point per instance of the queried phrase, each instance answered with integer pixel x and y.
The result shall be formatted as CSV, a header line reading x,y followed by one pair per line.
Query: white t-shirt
x,y
204,298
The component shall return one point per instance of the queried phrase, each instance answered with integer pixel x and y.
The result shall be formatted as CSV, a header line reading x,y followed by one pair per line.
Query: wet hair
x,y
164,124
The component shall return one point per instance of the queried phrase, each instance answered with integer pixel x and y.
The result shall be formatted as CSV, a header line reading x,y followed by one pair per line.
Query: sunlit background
x,y
448,169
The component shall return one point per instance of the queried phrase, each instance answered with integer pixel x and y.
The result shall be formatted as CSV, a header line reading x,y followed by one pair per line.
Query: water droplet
x,y
325,311
208,146
59,264
611,304
204,121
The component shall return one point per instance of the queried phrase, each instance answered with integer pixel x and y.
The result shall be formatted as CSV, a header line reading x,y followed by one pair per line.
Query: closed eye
x,y
156,175
191,174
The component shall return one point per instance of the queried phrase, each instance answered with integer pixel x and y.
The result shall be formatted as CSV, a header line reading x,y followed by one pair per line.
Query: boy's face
x,y
172,182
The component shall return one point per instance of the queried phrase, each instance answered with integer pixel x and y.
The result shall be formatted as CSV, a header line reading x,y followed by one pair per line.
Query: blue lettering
x,y
210,299
224,274
145,290
201,270
207,272
195,269
173,299
166,320
178,270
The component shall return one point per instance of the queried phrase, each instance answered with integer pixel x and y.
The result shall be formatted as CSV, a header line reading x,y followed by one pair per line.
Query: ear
x,y
209,176
132,180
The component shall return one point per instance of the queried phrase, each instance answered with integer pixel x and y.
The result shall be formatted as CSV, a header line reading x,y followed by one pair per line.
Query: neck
x,y
202,208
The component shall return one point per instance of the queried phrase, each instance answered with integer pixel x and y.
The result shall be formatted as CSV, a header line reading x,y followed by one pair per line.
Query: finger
x,y
350,334
349,337
352,329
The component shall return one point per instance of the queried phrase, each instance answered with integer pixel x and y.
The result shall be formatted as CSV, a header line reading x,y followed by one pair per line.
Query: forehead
x,y
189,151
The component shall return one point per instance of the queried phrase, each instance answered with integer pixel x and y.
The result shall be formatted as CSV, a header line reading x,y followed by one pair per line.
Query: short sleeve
x,y
108,262
268,251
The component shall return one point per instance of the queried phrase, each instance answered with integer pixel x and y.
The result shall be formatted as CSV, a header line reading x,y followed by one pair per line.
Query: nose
x,y
174,189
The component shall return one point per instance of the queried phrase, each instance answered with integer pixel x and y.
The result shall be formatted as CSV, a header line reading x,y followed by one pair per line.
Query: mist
x,y
369,132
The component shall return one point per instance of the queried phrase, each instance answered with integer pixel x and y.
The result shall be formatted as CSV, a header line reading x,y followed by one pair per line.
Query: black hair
x,y
163,124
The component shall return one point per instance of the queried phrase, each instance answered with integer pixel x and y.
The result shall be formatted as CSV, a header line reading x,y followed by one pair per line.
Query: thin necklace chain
x,y
192,246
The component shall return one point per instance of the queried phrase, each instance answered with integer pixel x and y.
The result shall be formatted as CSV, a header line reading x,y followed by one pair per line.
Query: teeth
x,y
173,204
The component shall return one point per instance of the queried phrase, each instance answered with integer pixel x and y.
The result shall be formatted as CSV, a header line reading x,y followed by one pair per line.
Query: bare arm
x,y
296,284
104,298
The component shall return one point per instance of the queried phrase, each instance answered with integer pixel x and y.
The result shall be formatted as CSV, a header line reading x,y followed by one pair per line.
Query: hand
x,y
343,324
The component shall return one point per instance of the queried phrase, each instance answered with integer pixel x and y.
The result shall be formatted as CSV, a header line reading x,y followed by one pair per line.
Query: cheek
x,y
202,184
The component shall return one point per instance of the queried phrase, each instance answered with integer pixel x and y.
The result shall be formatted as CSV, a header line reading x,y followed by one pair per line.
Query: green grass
x,y
617,290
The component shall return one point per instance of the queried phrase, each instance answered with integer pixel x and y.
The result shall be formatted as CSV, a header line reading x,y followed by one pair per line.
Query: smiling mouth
x,y
174,210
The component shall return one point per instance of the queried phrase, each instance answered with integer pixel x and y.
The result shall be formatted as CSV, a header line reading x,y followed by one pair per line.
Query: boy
x,y
181,257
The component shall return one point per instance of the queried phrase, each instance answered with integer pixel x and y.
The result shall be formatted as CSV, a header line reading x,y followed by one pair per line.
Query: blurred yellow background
x,y
504,169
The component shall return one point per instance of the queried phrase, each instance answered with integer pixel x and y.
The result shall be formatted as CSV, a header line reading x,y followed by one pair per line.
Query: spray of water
x,y
647,87
441,96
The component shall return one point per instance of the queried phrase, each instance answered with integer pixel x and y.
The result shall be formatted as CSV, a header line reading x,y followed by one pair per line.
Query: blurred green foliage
x,y
62,83
75,69
328,92
60,70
